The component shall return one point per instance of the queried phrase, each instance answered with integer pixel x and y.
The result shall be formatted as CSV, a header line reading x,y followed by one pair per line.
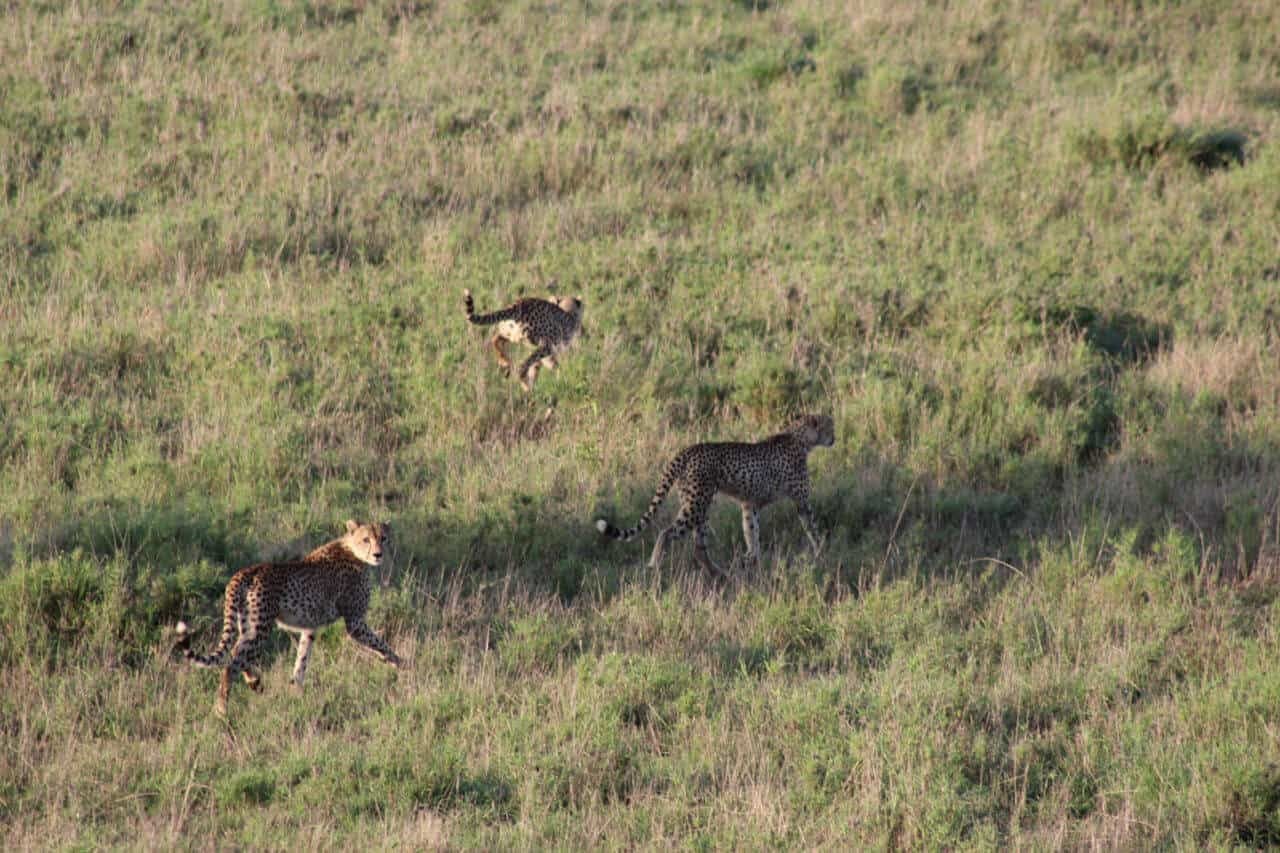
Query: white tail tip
x,y
466,292
182,628
602,525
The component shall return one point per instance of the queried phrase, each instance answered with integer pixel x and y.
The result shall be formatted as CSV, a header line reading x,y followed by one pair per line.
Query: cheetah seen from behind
x,y
550,327
301,596
754,475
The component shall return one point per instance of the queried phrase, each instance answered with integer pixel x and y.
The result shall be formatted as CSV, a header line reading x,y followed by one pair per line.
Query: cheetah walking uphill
x,y
550,327
754,475
302,596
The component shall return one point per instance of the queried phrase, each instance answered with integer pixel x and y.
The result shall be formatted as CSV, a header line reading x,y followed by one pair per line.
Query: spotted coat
x,y
754,475
550,327
302,596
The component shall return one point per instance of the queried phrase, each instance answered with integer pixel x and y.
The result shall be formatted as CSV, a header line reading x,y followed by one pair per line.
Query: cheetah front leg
x,y
798,491
365,636
529,370
809,523
751,532
304,656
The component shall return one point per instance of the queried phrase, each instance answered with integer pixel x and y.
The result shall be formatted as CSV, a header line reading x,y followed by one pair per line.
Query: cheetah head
x,y
815,430
572,306
367,541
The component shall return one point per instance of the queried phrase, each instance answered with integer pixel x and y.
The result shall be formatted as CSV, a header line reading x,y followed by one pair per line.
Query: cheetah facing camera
x,y
550,327
754,475
301,596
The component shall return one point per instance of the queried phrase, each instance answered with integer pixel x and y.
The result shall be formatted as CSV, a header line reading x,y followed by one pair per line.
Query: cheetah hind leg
x,y
702,554
243,657
503,360
224,691
673,533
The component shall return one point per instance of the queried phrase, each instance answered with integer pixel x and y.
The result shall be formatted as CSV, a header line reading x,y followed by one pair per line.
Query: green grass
x,y
1024,254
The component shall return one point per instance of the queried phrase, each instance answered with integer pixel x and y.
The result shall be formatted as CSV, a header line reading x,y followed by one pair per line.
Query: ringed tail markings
x,y
673,472
484,319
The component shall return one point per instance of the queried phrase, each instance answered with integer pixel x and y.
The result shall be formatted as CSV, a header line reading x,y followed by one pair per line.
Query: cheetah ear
x,y
351,525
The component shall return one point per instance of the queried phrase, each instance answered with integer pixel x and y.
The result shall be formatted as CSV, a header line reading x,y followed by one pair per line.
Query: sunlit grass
x,y
1023,253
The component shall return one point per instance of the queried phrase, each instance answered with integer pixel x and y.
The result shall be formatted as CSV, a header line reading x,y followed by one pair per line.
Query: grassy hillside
x,y
1025,253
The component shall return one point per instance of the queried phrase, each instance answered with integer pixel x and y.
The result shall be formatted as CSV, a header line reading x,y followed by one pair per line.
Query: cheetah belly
x,y
305,618
754,485
512,331
759,494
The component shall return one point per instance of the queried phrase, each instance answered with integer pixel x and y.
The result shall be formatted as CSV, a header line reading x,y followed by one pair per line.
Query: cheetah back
x,y
754,473
539,322
308,595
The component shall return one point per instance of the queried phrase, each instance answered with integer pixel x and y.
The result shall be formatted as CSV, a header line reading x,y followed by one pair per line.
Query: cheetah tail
x,y
182,645
674,470
483,319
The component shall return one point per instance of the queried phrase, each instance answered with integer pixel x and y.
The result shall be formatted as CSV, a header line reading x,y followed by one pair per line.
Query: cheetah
x,y
754,475
300,596
550,327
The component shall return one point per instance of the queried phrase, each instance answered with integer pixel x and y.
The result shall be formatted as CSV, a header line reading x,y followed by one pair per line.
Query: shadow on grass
x,y
881,521
160,534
